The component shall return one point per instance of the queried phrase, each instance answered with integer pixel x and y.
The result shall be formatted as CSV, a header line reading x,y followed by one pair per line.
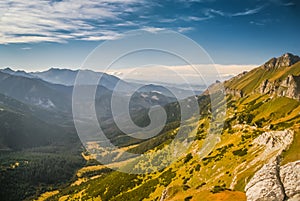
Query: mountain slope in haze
x,y
35,91
68,77
58,98
21,128
261,136
36,152
17,73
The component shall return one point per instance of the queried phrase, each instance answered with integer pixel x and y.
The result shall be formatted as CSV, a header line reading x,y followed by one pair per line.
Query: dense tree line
x,y
26,174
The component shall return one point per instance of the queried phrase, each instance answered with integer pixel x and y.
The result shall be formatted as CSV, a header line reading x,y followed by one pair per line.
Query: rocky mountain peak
x,y
285,60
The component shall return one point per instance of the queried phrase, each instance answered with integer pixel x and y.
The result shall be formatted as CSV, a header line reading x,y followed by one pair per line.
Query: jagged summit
x,y
277,77
285,60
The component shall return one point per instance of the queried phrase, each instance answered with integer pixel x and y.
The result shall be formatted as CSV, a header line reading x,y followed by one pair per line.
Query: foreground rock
x,y
266,184
274,182
290,177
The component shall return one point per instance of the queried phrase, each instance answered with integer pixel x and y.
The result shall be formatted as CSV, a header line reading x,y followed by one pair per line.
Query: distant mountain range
x,y
47,97
67,77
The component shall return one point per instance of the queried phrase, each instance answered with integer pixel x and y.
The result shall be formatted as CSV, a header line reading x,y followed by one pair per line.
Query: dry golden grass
x,y
46,195
225,196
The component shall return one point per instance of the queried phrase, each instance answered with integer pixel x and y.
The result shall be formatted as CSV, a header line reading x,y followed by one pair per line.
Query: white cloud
x,y
42,20
97,38
194,18
153,29
257,23
185,29
218,12
248,12
167,20
211,13
289,4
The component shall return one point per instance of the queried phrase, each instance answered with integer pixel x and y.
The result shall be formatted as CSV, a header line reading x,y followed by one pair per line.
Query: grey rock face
x,y
275,142
234,92
285,60
274,182
290,177
289,87
266,184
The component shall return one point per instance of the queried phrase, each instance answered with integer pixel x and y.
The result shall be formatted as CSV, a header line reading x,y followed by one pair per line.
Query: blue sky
x,y
39,34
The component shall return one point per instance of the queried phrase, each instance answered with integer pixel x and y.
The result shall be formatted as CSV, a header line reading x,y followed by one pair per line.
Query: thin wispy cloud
x,y
217,12
197,1
167,20
185,29
257,23
153,29
96,20
289,4
194,18
58,21
212,12
248,12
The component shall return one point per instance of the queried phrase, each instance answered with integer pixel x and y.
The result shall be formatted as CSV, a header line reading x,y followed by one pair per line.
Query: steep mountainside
x,y
36,92
33,148
260,139
21,127
278,76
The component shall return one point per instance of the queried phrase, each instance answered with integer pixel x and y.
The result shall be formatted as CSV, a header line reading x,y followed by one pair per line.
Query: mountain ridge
x,y
278,76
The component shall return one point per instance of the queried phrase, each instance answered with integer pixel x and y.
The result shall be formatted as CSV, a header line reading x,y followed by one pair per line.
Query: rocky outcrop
x,y
164,195
275,142
289,87
234,92
274,182
285,60
290,177
266,184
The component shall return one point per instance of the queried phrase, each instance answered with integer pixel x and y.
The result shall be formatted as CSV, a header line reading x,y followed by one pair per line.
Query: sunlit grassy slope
x,y
250,82
220,175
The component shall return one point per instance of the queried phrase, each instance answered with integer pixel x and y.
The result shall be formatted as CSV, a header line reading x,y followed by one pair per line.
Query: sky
x,y
40,34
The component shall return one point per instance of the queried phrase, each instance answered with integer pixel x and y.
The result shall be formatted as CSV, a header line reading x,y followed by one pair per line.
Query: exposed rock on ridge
x,y
272,182
285,60
289,87
234,92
